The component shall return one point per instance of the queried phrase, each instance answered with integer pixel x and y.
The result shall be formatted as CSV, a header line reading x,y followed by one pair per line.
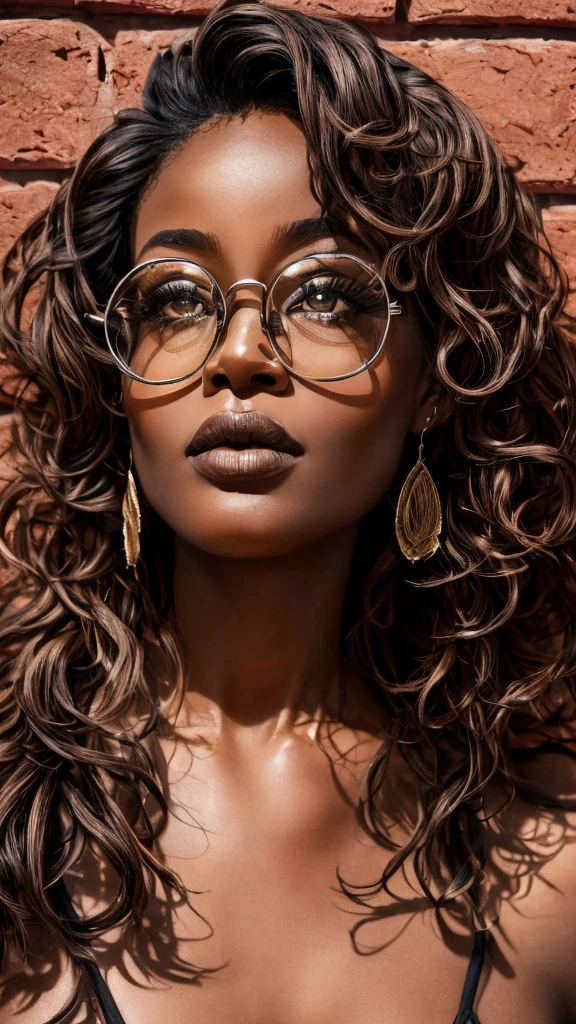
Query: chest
x,y
288,924
272,952
282,931
267,947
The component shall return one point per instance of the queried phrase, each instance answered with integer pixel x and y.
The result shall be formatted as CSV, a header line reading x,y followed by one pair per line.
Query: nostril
x,y
265,379
220,380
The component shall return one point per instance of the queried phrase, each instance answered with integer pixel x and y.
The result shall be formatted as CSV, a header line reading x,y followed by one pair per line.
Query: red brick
x,y
501,12
560,226
523,91
18,204
53,101
131,58
381,10
138,7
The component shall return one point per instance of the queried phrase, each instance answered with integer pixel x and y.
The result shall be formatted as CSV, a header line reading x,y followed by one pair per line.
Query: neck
x,y
261,636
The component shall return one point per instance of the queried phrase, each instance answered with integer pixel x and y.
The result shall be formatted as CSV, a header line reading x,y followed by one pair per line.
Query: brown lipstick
x,y
232,445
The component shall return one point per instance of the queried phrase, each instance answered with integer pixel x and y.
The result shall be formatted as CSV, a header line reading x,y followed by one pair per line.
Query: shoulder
x,y
532,871
38,987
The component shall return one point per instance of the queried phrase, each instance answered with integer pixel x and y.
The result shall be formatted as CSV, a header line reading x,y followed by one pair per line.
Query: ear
x,y
430,396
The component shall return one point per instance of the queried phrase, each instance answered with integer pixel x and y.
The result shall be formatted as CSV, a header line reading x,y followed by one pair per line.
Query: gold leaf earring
x,y
131,517
419,513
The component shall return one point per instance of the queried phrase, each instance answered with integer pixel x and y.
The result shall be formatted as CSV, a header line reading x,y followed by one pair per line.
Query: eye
x,y
333,299
173,301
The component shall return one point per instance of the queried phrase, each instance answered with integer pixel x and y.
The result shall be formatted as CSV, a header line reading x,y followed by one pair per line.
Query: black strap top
x,y
112,1015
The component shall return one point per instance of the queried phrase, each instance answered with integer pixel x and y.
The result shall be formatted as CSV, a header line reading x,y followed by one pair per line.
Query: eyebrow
x,y
296,234
302,232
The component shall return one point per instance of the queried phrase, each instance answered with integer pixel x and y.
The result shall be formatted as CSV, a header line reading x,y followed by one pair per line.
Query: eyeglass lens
x,y
326,317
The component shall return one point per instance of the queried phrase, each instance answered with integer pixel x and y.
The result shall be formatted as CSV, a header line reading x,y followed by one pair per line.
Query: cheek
x,y
357,448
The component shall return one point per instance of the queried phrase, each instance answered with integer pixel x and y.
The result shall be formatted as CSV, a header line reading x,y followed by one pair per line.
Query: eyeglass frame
x,y
394,309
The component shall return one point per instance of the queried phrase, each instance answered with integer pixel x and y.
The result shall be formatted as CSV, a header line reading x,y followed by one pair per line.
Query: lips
x,y
242,444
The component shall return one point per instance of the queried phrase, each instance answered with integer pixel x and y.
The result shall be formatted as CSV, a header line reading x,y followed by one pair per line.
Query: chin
x,y
241,525
250,536
244,544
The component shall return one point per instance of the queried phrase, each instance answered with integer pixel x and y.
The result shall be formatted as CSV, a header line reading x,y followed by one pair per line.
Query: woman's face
x,y
241,182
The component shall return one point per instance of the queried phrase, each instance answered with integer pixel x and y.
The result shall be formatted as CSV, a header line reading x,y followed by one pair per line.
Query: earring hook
x,y
427,426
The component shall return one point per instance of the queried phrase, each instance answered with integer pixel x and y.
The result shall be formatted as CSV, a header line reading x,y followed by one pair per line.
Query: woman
x,y
288,651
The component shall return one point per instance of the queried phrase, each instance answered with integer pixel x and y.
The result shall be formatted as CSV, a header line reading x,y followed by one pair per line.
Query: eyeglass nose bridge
x,y
241,284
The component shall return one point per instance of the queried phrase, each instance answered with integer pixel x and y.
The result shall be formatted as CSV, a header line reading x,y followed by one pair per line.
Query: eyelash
x,y
360,298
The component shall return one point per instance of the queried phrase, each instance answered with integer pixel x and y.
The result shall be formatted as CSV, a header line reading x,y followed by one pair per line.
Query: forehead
x,y
237,179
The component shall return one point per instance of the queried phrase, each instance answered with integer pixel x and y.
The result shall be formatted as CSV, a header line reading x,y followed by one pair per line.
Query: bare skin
x,y
264,774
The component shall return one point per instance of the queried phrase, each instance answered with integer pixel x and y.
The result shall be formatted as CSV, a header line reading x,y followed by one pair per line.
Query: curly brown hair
x,y
465,651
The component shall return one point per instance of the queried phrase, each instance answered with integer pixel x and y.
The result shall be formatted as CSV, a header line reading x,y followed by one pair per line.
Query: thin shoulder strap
x,y
103,994
466,1013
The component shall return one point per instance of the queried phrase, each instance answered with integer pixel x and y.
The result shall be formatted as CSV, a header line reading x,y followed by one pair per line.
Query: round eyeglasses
x,y
326,317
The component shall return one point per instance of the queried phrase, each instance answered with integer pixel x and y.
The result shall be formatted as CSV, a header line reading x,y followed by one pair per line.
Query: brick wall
x,y
66,67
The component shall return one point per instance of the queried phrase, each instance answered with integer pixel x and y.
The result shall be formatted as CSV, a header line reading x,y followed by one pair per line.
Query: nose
x,y
244,360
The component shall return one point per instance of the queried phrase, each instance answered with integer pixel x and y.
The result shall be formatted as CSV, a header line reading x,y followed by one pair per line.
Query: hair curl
x,y
464,651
